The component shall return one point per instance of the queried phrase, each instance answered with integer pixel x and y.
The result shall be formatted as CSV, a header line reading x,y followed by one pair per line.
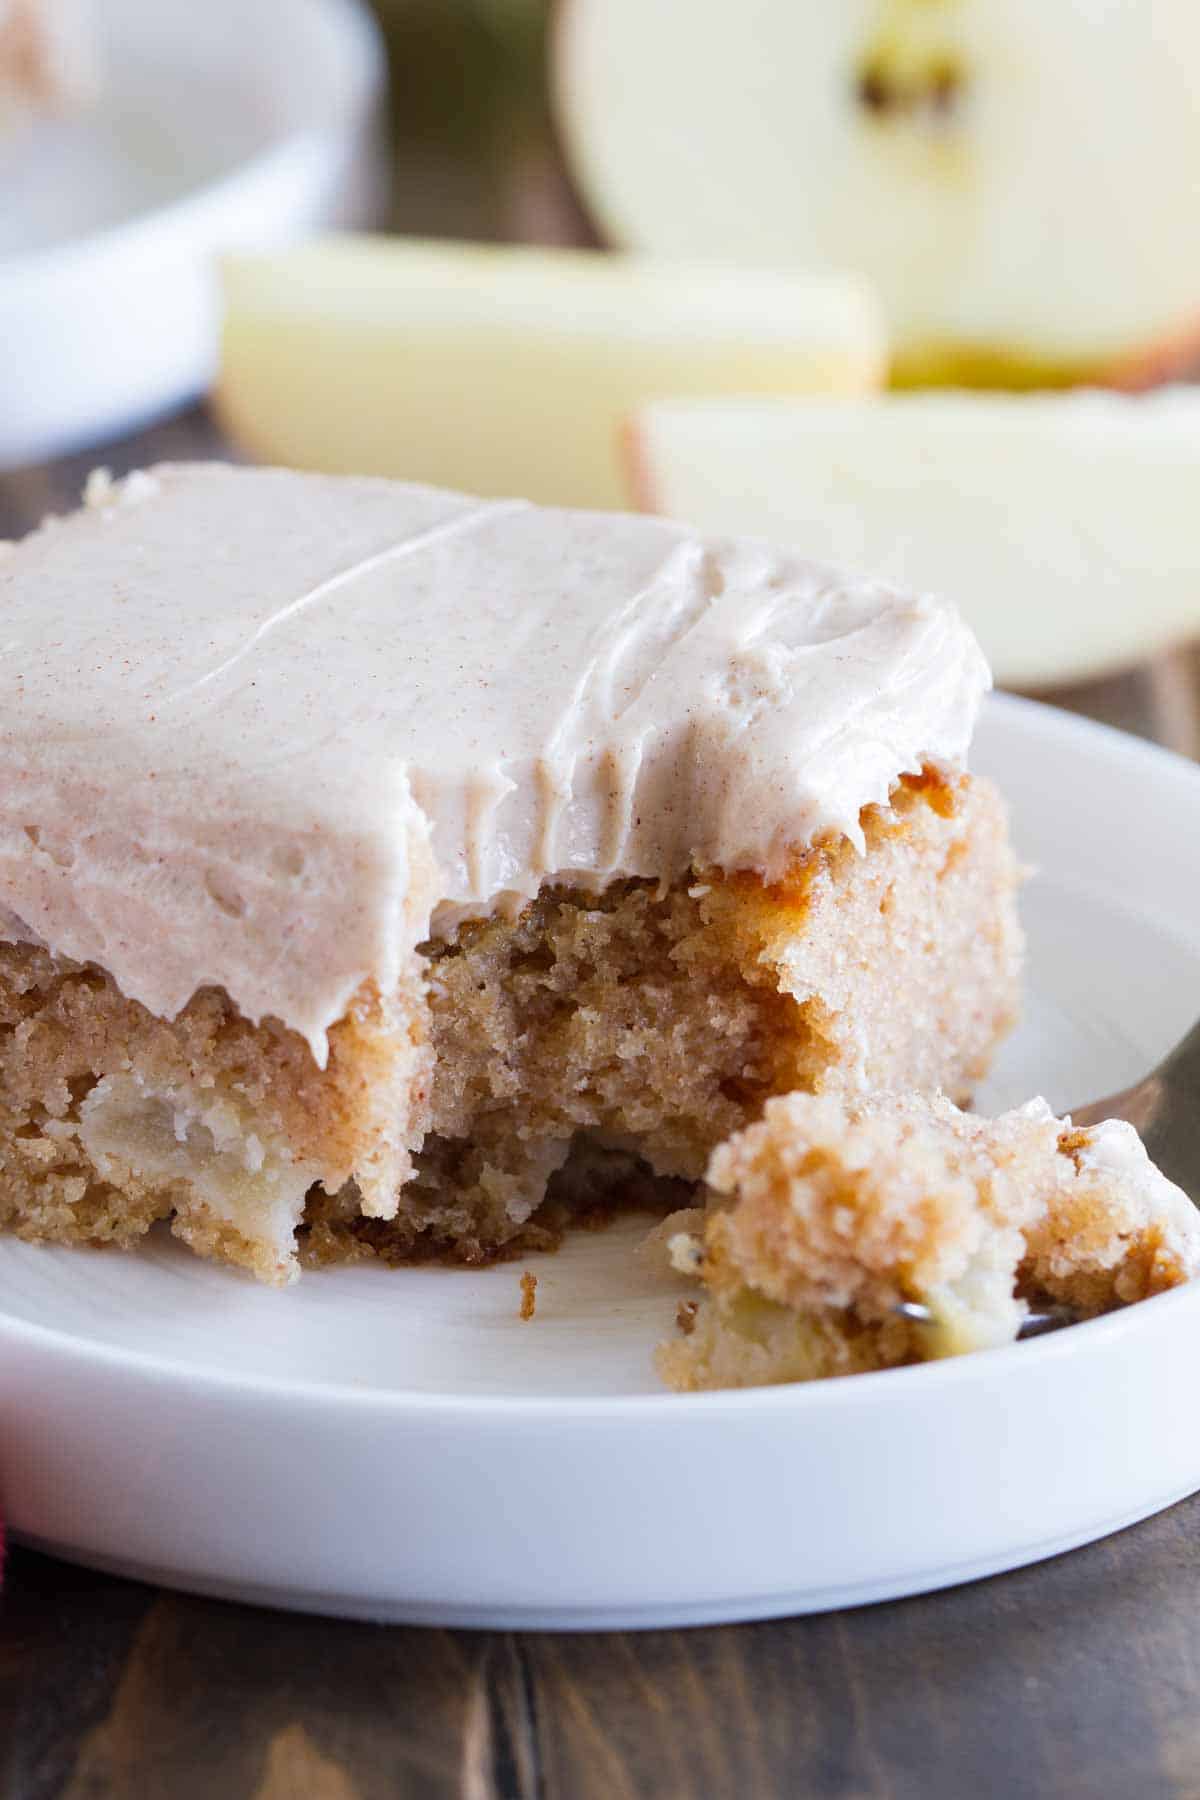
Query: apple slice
x,y
1064,525
1018,178
509,371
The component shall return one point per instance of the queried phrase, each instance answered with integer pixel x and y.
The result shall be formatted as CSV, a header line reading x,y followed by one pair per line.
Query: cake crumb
x,y
685,1316
98,488
102,493
528,1294
686,1253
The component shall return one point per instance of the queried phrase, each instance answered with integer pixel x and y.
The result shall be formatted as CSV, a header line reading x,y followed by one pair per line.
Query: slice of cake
x,y
366,849
47,58
833,1211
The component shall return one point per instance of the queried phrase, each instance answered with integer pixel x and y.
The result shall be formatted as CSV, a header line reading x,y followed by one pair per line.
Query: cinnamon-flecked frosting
x,y
266,730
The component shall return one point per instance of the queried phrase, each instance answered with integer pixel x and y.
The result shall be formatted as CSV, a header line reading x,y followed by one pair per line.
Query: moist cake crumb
x,y
833,1210
646,1023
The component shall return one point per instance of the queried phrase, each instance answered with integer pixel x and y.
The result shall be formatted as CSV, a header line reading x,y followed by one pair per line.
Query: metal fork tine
x,y
1034,1324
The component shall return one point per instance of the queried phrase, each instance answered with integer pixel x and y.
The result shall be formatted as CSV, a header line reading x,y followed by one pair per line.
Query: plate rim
x,y
836,1389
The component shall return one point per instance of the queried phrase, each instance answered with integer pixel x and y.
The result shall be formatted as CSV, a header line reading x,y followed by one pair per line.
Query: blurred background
x,y
849,268
474,151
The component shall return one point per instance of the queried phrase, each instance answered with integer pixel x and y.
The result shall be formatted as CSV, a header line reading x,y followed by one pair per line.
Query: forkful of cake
x,y
849,1232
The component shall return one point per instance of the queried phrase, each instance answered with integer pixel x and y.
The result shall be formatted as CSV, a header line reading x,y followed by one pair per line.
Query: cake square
x,y
368,853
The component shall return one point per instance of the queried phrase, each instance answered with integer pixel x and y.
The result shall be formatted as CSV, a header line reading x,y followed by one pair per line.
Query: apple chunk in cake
x,y
366,851
833,1210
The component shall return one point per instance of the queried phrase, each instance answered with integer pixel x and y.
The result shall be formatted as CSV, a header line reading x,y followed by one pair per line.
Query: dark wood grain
x,y
1076,1678
1079,1678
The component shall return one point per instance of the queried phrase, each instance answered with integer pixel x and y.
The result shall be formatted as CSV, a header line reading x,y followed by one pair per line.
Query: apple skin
x,y
639,482
1174,357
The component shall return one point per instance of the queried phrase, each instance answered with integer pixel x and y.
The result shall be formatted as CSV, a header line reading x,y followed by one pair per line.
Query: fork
x,y
1164,1109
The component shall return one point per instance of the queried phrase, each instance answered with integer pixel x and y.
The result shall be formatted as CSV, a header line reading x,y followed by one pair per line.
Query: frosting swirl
x,y
266,730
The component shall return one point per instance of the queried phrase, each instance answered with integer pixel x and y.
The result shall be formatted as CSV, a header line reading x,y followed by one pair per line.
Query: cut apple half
x,y
1020,179
509,371
1063,525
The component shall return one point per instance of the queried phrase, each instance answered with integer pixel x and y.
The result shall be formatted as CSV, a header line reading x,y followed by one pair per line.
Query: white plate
x,y
221,123
400,1445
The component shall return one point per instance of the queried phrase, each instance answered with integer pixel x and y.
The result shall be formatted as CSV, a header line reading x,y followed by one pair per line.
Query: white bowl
x,y
399,1444
229,122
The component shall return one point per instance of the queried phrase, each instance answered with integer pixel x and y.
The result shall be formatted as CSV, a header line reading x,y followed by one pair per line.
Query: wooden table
x,y
1079,1678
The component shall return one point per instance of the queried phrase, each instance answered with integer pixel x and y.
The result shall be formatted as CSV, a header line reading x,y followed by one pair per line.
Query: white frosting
x,y
1116,1155
259,726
